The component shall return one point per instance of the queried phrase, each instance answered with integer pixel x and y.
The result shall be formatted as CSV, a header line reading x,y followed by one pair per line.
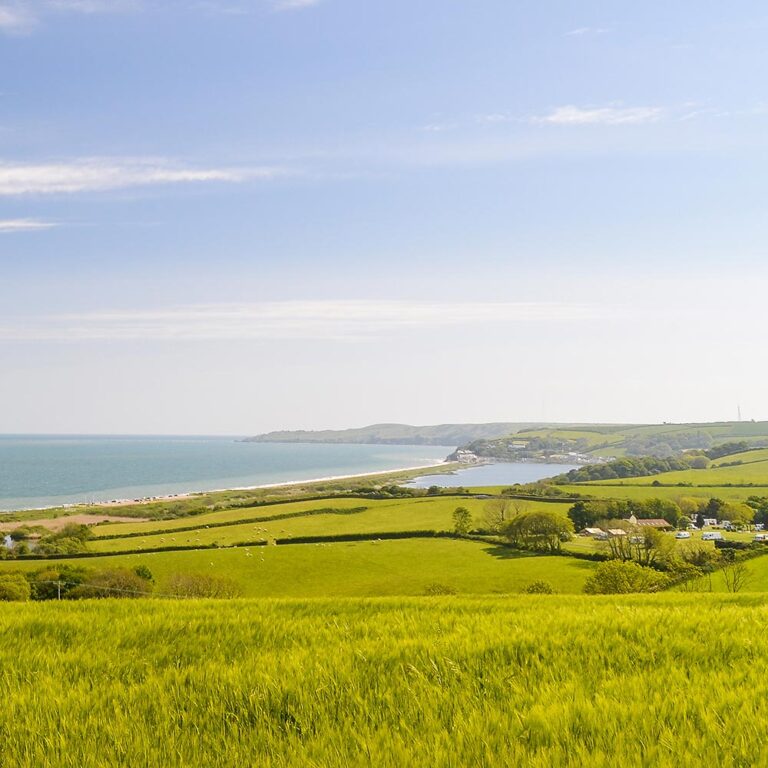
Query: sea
x,y
39,471
500,473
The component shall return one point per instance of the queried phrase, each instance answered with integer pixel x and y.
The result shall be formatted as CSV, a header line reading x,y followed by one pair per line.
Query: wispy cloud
x,y
586,31
24,225
93,6
15,18
295,5
322,320
100,174
612,115
18,16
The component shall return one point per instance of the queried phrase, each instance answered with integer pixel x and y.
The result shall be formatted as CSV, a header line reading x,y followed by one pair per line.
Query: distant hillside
x,y
397,434
588,442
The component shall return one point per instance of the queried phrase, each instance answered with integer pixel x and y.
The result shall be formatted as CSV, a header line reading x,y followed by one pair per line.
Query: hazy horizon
x,y
227,218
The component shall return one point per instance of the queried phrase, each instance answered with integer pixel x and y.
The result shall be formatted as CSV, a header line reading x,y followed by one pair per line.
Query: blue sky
x,y
227,217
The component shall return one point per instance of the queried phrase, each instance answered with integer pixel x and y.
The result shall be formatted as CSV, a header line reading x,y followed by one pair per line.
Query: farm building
x,y
596,533
654,522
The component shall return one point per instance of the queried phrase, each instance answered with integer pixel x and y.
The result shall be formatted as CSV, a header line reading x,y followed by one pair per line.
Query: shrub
x,y
54,581
14,587
118,582
619,577
539,587
201,585
439,589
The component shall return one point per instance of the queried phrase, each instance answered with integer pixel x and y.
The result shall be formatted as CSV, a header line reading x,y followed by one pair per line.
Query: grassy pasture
x,y
752,473
666,681
226,516
380,516
746,457
359,569
626,489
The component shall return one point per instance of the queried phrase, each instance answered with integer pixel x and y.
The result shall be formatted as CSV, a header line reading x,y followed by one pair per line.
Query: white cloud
x,y
294,5
573,115
586,31
322,320
15,18
99,174
24,225
93,6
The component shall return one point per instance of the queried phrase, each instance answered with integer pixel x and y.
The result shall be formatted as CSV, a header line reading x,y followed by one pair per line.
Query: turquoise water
x,y
503,473
42,471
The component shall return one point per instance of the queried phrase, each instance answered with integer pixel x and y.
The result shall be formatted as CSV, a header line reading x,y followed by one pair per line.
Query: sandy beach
x,y
117,503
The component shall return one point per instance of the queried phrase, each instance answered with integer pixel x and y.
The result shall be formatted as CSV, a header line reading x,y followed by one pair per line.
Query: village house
x,y
653,522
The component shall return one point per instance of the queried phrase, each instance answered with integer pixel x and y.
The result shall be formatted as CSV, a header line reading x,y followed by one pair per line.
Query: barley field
x,y
535,681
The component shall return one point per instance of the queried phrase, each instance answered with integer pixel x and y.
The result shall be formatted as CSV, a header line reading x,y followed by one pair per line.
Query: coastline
x,y
118,503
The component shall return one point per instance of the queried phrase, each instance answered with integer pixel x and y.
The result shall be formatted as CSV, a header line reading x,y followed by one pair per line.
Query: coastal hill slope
x,y
399,434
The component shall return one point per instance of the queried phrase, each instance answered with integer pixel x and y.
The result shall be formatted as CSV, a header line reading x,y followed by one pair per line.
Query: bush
x,y
539,587
14,587
439,589
201,585
119,582
617,577
54,581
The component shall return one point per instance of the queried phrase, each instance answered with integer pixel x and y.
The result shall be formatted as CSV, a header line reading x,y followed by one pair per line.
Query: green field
x,y
360,569
666,681
628,489
754,473
434,514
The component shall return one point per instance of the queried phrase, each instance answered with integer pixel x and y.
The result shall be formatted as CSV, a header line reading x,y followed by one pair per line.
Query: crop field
x,y
673,680
434,514
360,569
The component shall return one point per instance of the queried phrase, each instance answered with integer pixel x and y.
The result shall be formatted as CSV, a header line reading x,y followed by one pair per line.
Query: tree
x,y
498,512
539,587
651,546
735,572
760,505
712,510
616,577
542,530
739,514
117,582
462,521
14,587
584,515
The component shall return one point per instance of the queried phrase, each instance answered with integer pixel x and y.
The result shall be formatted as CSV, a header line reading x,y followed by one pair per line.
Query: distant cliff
x,y
396,434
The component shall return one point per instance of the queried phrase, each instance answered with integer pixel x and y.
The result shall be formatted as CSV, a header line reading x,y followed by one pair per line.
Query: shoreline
x,y
117,503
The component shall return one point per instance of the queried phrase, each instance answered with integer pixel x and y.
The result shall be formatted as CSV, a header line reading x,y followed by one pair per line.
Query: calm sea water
x,y
44,471
493,474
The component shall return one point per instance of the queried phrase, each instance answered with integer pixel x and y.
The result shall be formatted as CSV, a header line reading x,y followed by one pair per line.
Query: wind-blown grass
x,y
667,680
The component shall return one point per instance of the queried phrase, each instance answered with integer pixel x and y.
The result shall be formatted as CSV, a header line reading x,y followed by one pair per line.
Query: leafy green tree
x,y
116,582
713,508
739,514
539,587
616,577
14,587
462,521
584,515
542,530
